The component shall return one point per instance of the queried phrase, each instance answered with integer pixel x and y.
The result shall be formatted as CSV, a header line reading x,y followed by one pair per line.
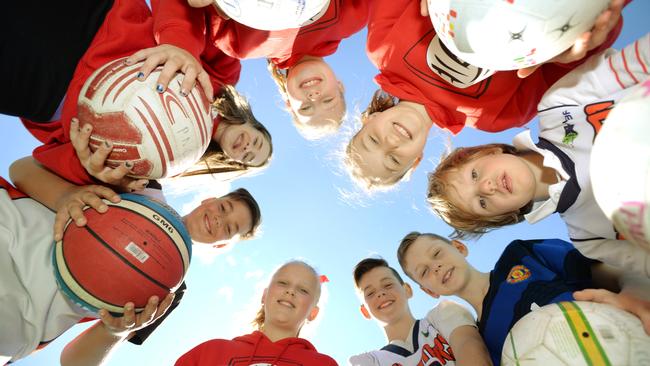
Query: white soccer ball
x,y
511,34
274,14
162,134
620,166
577,333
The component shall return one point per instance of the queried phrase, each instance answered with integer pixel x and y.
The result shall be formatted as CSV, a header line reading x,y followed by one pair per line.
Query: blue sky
x,y
310,210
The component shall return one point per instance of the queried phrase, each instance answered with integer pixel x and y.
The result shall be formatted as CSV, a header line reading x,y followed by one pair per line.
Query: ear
x,y
430,293
461,247
365,312
417,162
313,313
207,200
341,86
408,289
371,116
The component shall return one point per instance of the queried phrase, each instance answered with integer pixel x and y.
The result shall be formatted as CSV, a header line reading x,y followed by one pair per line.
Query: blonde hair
x,y
258,321
234,109
467,225
380,102
309,132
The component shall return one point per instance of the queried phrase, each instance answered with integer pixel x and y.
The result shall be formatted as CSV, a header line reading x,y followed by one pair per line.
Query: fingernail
x,y
74,121
129,306
102,312
154,300
103,208
87,128
159,88
184,92
128,62
57,237
144,184
107,144
140,75
128,164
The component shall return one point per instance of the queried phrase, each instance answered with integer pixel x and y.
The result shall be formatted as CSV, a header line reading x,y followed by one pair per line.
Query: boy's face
x,y
315,95
492,185
439,268
390,143
384,297
218,220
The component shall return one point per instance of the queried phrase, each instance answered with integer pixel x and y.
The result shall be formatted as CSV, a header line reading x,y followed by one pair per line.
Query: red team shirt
x,y
255,349
178,24
399,39
127,29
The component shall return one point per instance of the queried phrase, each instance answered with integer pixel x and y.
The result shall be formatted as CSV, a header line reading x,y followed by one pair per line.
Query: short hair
x,y
309,132
467,225
242,195
380,102
367,264
406,243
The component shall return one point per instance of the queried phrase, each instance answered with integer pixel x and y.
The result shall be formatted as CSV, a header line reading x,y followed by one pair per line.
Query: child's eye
x,y
482,202
373,140
369,294
390,285
328,100
394,159
424,272
222,208
228,230
302,290
474,175
305,108
435,255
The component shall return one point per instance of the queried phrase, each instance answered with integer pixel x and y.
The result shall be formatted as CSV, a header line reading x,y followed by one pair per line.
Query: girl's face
x,y
315,95
492,185
243,143
291,296
218,220
390,143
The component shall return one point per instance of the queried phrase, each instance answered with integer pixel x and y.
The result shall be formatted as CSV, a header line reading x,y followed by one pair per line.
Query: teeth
x,y
285,303
447,275
207,224
307,84
386,304
402,130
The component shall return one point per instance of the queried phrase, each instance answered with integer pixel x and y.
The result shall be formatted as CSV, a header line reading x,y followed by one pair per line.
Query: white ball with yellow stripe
x,y
577,333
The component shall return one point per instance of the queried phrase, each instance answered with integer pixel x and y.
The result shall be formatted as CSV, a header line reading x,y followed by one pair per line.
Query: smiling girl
x,y
309,86
290,300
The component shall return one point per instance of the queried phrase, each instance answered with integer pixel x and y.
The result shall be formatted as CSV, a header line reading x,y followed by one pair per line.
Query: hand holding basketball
x,y
174,59
70,206
95,162
130,321
588,40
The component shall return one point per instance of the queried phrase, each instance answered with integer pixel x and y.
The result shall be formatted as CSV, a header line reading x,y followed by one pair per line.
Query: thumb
x,y
524,73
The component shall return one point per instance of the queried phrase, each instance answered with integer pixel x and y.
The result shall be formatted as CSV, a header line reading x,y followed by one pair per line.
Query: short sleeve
x,y
363,359
448,315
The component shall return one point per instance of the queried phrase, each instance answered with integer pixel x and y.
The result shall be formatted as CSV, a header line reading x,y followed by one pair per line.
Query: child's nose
x,y
487,186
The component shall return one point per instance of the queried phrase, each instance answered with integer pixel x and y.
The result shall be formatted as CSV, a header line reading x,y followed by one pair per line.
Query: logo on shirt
x,y
436,354
569,134
597,113
517,274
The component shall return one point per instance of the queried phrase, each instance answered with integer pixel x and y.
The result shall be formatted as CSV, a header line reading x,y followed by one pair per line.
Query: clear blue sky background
x,y
307,214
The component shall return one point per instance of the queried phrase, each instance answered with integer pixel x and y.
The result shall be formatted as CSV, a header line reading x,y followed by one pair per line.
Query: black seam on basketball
x,y
180,255
121,257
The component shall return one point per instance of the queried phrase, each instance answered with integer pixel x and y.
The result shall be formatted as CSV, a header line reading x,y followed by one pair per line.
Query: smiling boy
x,y
446,336
528,274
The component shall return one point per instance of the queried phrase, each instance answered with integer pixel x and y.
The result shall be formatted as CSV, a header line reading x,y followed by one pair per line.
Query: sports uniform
x,y
415,66
426,343
529,273
178,24
255,349
570,116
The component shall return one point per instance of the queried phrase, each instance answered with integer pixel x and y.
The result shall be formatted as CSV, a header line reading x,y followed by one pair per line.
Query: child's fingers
x,y
525,72
128,318
147,315
60,220
204,81
139,56
105,192
150,64
164,305
93,200
424,8
97,160
167,74
188,80
76,212
595,295
80,138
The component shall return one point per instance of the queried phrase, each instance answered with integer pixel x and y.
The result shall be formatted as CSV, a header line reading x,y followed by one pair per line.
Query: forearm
x,y
468,347
37,182
92,347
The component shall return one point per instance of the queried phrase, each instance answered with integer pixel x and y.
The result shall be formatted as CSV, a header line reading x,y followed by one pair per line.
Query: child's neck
x,y
275,333
418,108
544,176
475,290
400,330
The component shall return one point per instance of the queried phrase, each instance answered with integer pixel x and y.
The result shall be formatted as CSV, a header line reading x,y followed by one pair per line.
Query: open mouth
x,y
385,304
402,131
286,303
238,142
206,221
506,183
447,275
310,82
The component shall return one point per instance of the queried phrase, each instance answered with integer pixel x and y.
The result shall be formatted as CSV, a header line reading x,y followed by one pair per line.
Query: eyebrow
x,y
230,205
363,144
236,227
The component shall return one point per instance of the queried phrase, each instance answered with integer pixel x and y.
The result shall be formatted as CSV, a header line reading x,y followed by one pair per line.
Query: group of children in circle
x,y
473,189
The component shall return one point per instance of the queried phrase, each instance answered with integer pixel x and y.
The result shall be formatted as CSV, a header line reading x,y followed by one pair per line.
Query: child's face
x,y
244,143
390,142
315,95
291,296
383,296
218,220
492,185
438,267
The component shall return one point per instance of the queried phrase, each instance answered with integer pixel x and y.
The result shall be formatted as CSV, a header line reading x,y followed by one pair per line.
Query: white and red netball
x,y
162,134
274,14
511,34
620,166
137,249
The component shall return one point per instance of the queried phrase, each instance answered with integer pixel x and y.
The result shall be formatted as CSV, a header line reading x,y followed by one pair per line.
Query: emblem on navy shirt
x,y
517,274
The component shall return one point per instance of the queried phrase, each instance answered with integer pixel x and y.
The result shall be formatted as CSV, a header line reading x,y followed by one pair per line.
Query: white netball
x,y
511,34
620,166
162,134
274,14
